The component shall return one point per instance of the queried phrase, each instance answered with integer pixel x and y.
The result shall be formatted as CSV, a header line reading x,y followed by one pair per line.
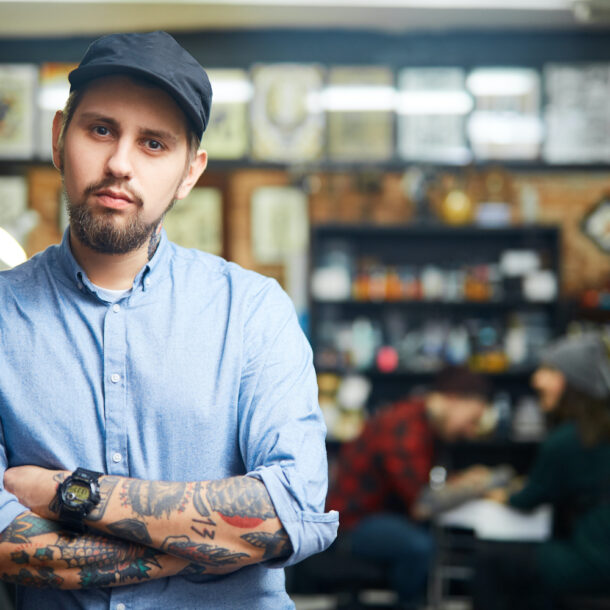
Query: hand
x,y
499,495
475,477
35,487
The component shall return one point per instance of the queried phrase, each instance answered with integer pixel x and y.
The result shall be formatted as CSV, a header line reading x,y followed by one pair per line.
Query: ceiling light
x,y
434,102
354,98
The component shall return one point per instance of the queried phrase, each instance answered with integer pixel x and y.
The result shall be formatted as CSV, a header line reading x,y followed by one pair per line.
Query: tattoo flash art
x,y
154,498
275,544
240,501
200,552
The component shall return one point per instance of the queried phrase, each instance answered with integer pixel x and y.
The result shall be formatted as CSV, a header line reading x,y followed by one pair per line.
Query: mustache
x,y
113,183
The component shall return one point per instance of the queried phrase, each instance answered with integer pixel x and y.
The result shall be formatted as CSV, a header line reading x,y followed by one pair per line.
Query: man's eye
x,y
154,144
100,130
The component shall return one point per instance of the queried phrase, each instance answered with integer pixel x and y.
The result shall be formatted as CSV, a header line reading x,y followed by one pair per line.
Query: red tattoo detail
x,y
243,522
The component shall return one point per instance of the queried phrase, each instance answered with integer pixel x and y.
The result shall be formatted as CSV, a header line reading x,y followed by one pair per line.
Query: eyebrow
x,y
160,134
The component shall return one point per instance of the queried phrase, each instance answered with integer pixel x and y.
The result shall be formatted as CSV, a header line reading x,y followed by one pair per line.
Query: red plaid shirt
x,y
385,468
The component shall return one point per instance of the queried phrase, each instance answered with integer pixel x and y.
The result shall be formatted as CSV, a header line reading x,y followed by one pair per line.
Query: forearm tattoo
x,y
201,553
240,501
275,544
154,498
99,561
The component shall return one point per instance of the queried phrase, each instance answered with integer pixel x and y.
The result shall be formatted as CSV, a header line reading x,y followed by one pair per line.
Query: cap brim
x,y
82,75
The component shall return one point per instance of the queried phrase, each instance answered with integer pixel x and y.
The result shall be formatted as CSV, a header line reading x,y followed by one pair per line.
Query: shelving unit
x,y
440,245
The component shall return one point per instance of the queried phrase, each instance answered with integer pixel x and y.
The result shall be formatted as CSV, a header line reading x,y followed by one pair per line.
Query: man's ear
x,y
58,121
195,169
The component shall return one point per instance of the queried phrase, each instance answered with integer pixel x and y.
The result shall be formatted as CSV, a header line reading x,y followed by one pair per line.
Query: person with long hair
x,y
572,473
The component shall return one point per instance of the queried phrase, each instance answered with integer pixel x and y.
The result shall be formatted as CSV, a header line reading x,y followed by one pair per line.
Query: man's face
x,y
124,162
461,418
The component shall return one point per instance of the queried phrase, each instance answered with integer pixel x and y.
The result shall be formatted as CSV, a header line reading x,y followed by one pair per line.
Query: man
x,y
159,408
378,478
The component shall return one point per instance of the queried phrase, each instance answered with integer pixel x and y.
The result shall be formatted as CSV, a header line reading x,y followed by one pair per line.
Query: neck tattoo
x,y
153,243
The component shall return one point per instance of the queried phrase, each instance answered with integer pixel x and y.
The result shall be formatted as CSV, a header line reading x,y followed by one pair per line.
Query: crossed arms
x,y
143,530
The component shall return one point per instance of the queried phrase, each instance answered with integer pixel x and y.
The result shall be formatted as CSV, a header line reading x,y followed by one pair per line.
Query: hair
x,y
591,415
461,381
74,100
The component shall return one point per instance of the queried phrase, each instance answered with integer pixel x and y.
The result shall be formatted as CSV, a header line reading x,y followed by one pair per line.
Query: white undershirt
x,y
111,295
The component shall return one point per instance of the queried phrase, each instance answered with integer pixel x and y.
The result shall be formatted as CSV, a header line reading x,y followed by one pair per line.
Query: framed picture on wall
x,y
227,134
360,105
17,110
196,221
432,107
53,92
280,223
287,120
576,114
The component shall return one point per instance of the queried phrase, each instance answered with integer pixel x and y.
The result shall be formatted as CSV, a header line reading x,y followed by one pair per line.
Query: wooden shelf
x,y
393,165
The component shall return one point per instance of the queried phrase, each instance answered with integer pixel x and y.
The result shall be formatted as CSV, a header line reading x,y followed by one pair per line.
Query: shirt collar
x,y
152,272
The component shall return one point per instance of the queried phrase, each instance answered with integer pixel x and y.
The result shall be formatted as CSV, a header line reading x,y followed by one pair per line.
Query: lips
x,y
114,199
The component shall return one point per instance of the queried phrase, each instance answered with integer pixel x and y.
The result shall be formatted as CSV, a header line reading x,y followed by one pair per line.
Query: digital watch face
x,y
76,494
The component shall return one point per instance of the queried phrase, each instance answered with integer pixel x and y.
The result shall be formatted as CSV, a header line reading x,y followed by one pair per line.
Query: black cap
x,y
154,56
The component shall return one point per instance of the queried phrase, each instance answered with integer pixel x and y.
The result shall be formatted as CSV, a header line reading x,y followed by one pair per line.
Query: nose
x,y
118,163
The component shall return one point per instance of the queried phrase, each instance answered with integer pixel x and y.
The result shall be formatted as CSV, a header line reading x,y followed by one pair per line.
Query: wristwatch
x,y
77,496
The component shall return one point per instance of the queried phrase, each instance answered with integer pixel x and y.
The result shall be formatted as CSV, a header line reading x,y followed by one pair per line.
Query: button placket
x,y
115,391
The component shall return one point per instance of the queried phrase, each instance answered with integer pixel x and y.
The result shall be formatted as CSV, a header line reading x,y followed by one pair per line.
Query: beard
x,y
100,231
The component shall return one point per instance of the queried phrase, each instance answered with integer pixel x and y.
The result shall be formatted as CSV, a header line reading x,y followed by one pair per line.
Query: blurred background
x,y
428,179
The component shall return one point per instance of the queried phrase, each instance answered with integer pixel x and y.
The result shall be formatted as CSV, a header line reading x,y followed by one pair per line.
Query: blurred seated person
x,y
572,473
377,478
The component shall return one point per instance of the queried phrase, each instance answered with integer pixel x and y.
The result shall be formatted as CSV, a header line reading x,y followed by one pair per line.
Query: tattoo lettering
x,y
133,568
204,532
154,498
107,485
276,545
131,529
198,502
41,577
241,501
23,528
20,557
201,552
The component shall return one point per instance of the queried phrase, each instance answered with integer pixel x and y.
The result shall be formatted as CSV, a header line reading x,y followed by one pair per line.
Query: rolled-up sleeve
x,y
282,431
10,507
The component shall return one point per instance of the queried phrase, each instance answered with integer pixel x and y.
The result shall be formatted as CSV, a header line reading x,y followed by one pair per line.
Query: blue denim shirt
x,y
200,372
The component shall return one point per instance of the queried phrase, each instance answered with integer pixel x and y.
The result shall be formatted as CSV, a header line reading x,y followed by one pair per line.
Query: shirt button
x,y
115,378
117,457
121,607
147,282
116,308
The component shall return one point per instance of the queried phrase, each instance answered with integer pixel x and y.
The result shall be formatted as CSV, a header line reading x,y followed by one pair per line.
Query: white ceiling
x,y
71,17
46,18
